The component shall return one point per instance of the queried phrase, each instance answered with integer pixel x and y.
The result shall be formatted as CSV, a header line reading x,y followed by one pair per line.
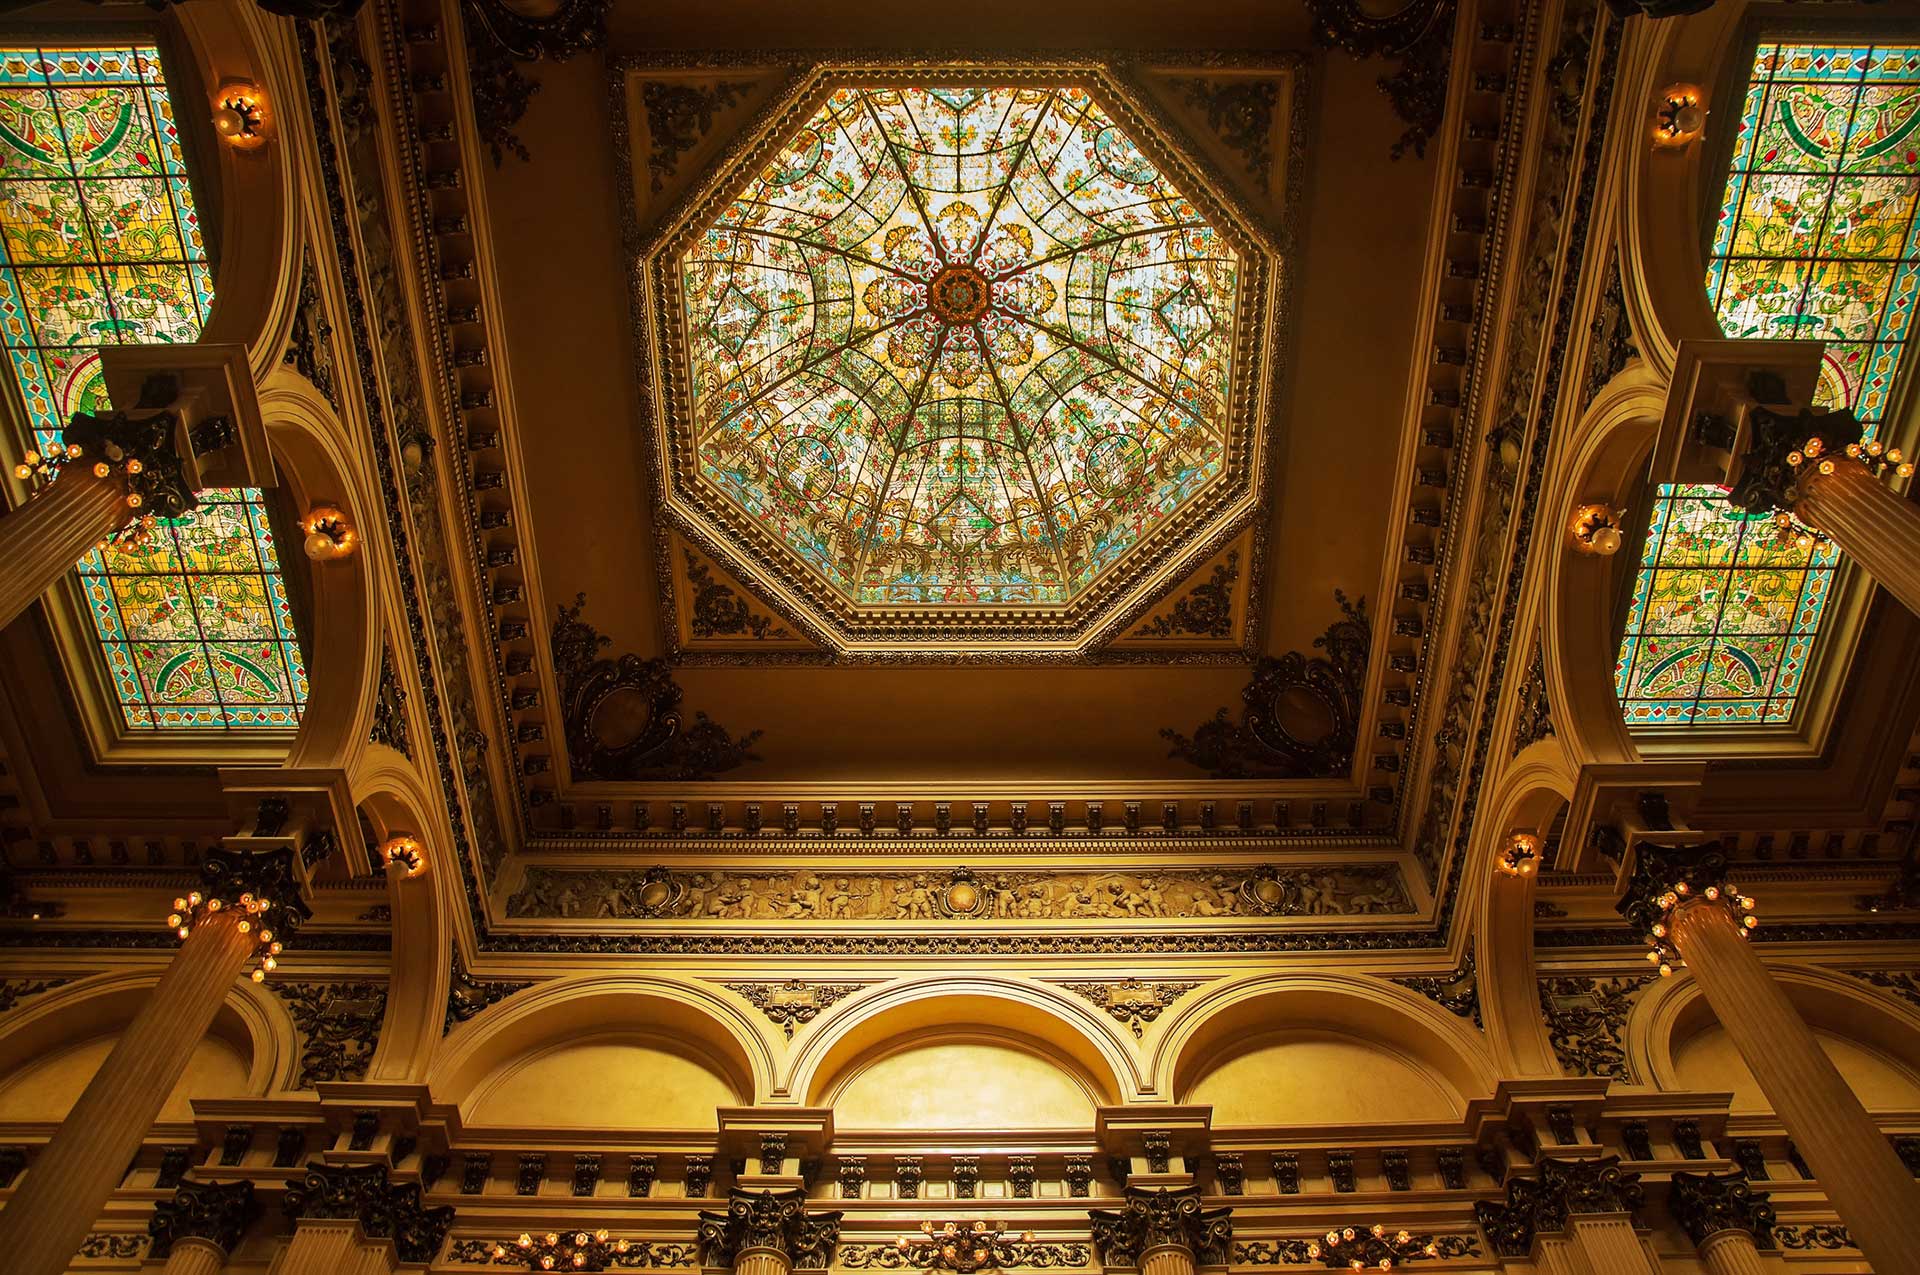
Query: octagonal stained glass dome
x,y
960,352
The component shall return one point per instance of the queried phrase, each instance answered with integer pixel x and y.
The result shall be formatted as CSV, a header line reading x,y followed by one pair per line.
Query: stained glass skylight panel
x,y
100,244
1816,240
960,345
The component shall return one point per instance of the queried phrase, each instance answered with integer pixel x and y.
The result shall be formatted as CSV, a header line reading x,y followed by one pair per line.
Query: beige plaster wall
x,y
1319,1077
618,1081
47,1087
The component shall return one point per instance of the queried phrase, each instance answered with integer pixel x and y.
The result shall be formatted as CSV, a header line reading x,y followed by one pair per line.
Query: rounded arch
x,y
1578,650
395,799
1063,1034
1858,1023
1531,794
257,279
251,1023
1223,1022
1664,203
532,1023
314,461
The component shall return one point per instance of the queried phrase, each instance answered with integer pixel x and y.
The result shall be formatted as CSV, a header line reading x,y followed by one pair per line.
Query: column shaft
x,y
195,1256
81,1166
333,1246
1611,1246
1167,1259
1731,1253
42,539
762,1261
1864,1181
1877,526
1560,1255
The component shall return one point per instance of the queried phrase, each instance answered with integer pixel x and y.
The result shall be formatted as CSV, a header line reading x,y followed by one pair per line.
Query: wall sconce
x,y
406,851
329,534
1679,115
1520,857
1596,529
240,114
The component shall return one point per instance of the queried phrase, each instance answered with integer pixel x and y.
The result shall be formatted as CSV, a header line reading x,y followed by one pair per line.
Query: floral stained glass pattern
x,y
100,244
1816,240
960,345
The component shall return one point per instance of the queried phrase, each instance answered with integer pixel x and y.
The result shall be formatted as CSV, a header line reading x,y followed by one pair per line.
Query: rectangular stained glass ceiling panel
x,y
100,244
1816,240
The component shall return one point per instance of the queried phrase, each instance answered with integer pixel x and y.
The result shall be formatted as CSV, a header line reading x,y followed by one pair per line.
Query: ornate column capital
x,y
142,446
218,1212
1156,1218
1782,447
1706,1204
384,1209
772,1219
1564,1189
1668,878
259,888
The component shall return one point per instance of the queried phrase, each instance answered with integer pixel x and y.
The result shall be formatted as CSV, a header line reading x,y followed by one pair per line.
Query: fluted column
x,y
201,1225
1732,1253
1724,1216
1877,527
1167,1259
1681,897
114,468
42,539
1815,467
762,1261
332,1246
1611,1245
81,1166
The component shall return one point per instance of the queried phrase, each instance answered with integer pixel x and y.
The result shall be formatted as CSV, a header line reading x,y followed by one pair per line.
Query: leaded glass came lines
x,y
1816,240
100,244
960,345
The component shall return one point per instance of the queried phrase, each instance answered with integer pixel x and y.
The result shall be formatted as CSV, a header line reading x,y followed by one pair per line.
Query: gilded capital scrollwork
x,y
1157,1218
383,1208
1709,1203
778,1220
218,1212
1563,1189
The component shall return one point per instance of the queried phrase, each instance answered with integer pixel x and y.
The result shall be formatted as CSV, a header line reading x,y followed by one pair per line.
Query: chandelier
x,y
564,1251
1370,1249
964,1247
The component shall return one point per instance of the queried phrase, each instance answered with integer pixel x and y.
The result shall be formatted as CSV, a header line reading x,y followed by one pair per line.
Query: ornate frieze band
x,y
935,895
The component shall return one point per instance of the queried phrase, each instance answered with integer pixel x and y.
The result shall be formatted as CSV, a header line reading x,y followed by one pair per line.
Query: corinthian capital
x,y
778,1220
1709,1203
1151,1219
213,1211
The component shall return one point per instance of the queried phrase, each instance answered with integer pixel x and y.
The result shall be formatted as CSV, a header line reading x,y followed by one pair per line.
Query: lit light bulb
x,y
1666,970
259,976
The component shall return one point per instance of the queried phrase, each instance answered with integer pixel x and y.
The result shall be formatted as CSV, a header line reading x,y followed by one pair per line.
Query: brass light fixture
x,y
329,534
240,114
964,1247
564,1250
1371,1248
1660,948
406,851
1679,115
1596,529
1520,857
